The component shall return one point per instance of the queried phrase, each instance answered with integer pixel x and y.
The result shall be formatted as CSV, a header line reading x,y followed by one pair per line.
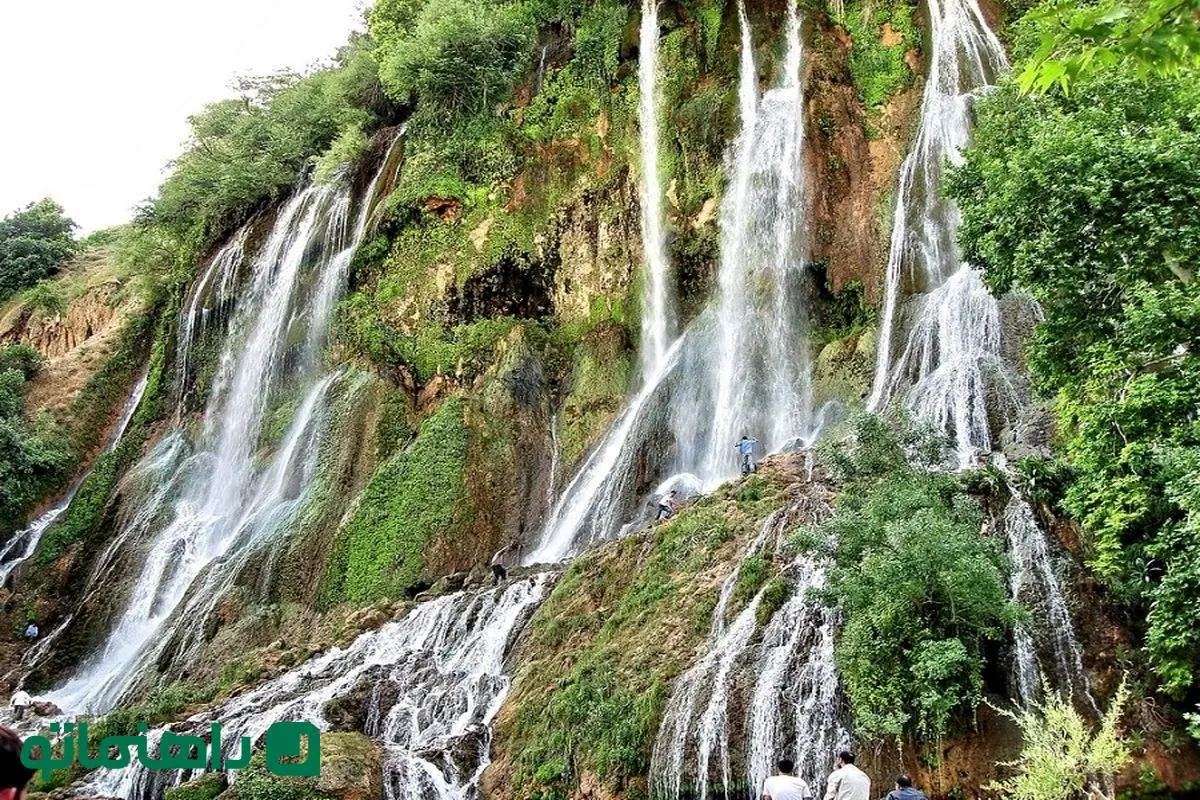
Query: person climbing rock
x,y
847,782
31,631
785,785
20,701
499,570
745,448
904,790
667,505
14,775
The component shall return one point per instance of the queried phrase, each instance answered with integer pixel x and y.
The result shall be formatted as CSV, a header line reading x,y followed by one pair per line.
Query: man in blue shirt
x,y
745,449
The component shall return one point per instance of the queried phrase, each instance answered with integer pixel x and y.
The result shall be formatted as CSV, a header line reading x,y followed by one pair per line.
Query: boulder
x,y
351,767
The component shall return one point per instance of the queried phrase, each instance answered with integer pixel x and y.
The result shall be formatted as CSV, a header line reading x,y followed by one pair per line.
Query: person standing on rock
x,y
745,448
14,775
785,785
847,782
904,790
31,631
19,702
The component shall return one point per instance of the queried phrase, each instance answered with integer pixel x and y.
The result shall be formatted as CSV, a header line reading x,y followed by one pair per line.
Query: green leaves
x,y
34,243
921,589
1153,38
1088,203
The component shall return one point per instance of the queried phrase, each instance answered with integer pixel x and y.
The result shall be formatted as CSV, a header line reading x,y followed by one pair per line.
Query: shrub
x,y
34,243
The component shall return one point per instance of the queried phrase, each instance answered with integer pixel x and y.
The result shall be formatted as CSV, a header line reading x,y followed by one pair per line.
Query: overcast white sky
x,y
96,93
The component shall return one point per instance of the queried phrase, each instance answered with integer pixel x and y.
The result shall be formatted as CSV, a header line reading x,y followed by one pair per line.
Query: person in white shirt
x,y
20,701
847,782
785,785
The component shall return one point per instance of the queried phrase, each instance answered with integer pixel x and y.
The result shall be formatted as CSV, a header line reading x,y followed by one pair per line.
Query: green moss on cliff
x,y
606,644
412,498
882,33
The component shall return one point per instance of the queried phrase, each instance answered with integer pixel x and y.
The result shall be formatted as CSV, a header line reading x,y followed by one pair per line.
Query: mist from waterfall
x,y
201,506
939,340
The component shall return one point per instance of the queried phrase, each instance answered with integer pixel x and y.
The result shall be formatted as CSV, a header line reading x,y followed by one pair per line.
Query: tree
x,y
459,56
1061,757
920,588
34,243
1088,203
1155,38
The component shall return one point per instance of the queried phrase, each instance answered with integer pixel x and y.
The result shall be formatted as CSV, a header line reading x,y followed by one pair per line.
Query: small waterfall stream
x,y
204,507
437,677
940,336
23,544
782,679
658,315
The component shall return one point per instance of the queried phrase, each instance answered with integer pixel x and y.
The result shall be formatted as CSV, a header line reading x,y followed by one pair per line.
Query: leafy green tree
x,y
459,56
248,150
1062,758
34,243
1088,203
921,589
29,454
1076,41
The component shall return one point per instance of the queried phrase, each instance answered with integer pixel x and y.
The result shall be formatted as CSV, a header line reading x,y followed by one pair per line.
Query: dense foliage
x,y
34,243
1110,254
1081,40
30,453
247,150
921,589
411,498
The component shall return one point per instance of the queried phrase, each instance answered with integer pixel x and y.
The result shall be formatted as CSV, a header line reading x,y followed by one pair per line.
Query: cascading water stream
x,y
940,336
749,373
658,316
437,677
794,710
743,365
204,508
23,544
1036,585
940,341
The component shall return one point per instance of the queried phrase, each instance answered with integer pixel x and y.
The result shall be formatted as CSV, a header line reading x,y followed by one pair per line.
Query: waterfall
x,y
23,544
1035,584
204,507
939,340
437,679
794,709
750,375
743,365
657,311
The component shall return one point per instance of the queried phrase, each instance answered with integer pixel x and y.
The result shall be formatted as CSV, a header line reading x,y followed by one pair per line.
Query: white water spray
x,y
939,339
205,510
658,314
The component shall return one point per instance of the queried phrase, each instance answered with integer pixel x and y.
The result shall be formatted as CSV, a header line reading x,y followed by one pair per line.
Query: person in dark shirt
x,y
904,790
